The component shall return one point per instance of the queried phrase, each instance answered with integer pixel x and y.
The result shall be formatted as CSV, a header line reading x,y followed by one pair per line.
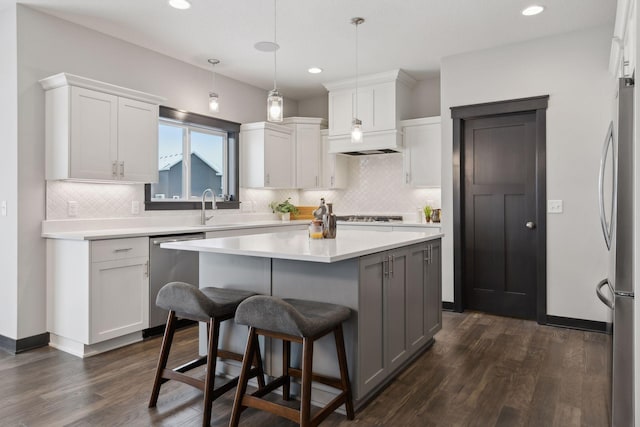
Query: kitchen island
x,y
391,282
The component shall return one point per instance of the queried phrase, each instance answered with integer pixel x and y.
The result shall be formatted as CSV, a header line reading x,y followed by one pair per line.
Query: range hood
x,y
382,101
383,142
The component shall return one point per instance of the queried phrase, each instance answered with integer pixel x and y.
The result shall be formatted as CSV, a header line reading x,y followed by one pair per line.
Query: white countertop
x,y
117,233
296,245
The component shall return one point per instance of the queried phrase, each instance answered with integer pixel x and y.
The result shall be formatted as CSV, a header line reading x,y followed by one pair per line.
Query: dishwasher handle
x,y
177,239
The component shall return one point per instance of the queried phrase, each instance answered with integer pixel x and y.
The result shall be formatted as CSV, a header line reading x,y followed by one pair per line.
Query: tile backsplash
x,y
375,187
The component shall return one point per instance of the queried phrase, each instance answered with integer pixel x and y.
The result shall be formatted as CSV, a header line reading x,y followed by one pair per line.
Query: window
x,y
195,152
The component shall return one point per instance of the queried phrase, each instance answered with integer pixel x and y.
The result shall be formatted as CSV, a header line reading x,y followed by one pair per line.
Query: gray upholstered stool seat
x,y
200,304
210,305
290,316
300,321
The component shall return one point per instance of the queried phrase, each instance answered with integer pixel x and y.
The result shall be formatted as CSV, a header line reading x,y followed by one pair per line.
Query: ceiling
x,y
409,34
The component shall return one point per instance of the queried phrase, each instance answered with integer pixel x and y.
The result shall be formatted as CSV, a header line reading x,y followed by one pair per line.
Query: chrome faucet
x,y
203,217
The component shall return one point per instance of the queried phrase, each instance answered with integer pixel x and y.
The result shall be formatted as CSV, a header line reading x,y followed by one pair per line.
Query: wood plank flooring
x,y
482,371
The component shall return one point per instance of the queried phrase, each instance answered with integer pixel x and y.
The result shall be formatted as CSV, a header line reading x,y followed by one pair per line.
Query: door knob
x,y
530,225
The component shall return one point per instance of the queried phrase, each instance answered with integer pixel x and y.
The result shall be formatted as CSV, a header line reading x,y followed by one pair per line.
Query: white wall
x,y
314,107
572,69
8,173
49,45
425,100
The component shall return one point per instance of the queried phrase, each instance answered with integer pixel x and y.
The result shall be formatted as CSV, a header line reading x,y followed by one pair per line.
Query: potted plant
x,y
427,212
284,209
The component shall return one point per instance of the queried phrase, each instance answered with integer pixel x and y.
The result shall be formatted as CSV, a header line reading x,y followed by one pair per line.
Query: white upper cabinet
x,y
622,62
307,144
422,150
98,131
335,167
267,156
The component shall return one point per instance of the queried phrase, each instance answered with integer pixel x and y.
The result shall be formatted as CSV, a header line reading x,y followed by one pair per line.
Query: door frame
x,y
537,104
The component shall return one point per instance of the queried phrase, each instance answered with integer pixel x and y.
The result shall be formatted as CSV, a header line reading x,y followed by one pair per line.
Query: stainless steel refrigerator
x,y
616,216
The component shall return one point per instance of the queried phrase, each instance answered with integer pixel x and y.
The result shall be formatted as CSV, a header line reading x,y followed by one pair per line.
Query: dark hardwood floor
x,y
482,371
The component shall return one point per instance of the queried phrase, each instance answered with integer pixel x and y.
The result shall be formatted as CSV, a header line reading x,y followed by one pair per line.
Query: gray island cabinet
x,y
391,281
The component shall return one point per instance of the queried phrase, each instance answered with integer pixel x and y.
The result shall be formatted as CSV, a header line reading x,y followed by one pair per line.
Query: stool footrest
x,y
191,365
330,381
275,408
278,382
170,374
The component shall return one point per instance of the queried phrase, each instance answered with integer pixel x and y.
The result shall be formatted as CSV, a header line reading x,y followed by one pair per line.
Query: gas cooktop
x,y
369,218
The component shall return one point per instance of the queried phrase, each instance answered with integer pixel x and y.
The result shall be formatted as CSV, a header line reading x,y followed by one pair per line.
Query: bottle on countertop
x,y
321,211
330,224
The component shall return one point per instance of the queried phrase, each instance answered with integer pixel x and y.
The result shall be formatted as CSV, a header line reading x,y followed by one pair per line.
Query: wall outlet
x,y
72,208
135,207
554,206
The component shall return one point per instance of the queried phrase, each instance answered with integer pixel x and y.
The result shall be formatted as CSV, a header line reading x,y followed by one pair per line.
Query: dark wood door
x,y
499,217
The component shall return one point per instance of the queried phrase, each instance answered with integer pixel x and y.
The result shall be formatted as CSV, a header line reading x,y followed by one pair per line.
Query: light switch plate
x,y
135,207
554,206
72,208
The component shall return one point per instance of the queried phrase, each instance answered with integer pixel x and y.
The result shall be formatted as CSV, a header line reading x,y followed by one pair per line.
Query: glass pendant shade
x,y
214,105
356,131
275,106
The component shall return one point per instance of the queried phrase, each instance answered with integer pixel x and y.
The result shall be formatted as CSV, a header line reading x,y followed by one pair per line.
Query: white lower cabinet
x,y
97,293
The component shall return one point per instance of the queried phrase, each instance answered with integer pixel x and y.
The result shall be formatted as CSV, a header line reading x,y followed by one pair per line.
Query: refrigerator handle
x,y
607,229
603,297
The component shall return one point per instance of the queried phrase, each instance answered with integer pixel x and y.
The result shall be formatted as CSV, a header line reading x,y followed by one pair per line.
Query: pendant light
x,y
275,102
214,102
356,124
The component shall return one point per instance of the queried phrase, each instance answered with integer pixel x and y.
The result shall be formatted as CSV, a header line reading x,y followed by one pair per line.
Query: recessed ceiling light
x,y
180,4
315,70
532,10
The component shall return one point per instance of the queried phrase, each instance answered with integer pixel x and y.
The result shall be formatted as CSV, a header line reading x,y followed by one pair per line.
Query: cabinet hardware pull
x,y
114,169
406,177
385,272
268,179
332,180
123,250
122,169
392,259
427,252
146,269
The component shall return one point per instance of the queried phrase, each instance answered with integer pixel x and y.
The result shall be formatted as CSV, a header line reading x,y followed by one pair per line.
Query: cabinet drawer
x,y
114,249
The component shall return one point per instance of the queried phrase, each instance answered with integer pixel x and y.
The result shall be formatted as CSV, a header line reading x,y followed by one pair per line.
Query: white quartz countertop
x,y
296,245
116,233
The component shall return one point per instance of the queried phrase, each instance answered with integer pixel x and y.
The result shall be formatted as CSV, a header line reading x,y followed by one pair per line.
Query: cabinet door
x,y
278,159
395,309
94,134
308,149
340,112
119,298
380,102
422,155
416,288
335,168
371,356
364,108
433,294
137,141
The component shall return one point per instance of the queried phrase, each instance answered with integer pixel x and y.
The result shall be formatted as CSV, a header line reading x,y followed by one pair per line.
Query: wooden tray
x,y
304,212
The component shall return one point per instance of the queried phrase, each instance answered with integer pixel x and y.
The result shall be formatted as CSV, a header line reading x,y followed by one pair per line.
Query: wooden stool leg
x,y
286,363
244,378
258,364
212,357
344,371
307,374
167,339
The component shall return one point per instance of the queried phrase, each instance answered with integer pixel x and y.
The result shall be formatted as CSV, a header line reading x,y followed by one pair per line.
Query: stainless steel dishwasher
x,y
168,265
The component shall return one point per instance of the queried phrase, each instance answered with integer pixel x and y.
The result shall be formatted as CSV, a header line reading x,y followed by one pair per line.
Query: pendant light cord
x,y
275,50
357,70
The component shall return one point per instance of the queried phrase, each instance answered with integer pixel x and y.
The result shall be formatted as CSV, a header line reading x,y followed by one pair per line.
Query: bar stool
x,y
210,305
300,321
